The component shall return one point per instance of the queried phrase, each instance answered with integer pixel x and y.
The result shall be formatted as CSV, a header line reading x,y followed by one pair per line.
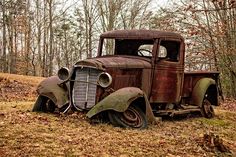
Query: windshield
x,y
131,47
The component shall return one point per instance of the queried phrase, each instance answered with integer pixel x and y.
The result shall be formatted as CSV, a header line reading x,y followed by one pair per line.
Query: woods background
x,y
37,37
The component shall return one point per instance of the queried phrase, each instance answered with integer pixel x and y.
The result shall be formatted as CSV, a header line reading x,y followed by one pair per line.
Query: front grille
x,y
85,87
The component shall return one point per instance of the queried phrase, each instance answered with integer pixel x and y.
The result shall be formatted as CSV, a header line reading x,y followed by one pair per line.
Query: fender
x,y
120,100
200,90
50,88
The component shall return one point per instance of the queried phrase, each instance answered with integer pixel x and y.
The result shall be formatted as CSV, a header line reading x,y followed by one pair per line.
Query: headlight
x,y
104,79
63,73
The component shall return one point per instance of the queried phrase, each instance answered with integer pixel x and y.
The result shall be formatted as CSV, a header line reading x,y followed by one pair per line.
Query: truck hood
x,y
117,62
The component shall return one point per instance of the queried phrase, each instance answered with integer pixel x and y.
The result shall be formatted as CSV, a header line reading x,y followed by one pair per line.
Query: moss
x,y
215,122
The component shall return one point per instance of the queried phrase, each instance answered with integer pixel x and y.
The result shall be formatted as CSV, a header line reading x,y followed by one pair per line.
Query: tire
x,y
207,109
133,117
44,104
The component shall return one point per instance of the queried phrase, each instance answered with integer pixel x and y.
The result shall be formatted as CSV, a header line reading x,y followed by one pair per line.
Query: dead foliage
x,y
18,87
24,133
212,142
229,104
30,80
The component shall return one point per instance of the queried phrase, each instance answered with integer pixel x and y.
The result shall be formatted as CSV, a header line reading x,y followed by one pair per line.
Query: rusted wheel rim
x,y
132,118
208,109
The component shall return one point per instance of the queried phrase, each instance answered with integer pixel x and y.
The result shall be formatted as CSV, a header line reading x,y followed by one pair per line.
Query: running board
x,y
176,112
184,111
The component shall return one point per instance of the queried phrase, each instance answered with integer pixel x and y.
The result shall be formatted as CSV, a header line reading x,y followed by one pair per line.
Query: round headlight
x,y
63,73
104,79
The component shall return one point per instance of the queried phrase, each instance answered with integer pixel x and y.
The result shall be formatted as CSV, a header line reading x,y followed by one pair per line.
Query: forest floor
x,y
25,133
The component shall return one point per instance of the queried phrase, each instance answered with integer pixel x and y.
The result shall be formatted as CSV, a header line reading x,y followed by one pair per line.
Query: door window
x,y
169,50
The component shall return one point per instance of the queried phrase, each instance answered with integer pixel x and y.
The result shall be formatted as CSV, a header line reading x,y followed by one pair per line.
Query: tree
x,y
209,27
4,41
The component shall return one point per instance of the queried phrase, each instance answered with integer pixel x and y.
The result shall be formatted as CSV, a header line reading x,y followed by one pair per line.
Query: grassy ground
x,y
24,133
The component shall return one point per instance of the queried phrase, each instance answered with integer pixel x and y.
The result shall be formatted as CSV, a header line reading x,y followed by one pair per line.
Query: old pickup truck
x,y
137,75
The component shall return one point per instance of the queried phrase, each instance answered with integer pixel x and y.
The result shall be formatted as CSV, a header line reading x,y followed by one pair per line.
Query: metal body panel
x,y
191,78
125,77
199,91
51,89
167,83
120,100
117,61
139,34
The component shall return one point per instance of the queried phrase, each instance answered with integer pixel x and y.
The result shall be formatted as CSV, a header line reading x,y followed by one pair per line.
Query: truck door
x,y
168,71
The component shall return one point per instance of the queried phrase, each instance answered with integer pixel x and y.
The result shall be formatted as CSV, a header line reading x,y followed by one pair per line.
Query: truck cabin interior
x,y
134,47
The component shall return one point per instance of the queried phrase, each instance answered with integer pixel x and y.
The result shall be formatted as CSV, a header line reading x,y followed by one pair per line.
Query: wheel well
x,y
140,102
212,94
50,96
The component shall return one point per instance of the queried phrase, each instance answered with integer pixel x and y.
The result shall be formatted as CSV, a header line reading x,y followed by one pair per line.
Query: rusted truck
x,y
136,76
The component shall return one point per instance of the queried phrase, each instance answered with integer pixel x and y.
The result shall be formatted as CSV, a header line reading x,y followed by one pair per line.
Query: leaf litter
x,y
24,133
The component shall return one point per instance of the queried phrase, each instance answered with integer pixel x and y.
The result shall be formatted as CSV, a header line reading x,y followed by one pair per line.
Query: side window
x,y
169,50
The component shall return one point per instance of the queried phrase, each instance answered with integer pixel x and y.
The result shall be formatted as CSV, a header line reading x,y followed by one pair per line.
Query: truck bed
x,y
191,78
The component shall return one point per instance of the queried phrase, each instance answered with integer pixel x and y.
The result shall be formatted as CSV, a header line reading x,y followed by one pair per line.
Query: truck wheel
x,y
133,117
44,104
207,109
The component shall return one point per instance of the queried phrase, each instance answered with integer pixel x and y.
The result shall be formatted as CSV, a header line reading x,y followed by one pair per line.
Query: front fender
x,y
120,100
200,90
50,88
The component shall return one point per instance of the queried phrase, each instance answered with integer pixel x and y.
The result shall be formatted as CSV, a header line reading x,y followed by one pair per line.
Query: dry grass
x,y
24,133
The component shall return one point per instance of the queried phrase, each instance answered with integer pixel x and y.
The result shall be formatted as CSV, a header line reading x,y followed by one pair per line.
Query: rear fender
x,y
50,88
201,89
121,99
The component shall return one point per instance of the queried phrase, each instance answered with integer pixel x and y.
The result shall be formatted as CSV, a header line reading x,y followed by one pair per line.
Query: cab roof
x,y
139,34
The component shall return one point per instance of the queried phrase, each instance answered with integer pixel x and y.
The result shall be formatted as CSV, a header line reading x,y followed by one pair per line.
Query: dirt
x,y
25,133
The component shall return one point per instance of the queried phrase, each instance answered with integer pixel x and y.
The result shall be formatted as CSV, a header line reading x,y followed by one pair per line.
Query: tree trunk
x,y
51,54
4,43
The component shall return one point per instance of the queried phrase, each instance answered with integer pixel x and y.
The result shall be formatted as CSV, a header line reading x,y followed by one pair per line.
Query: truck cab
x,y
137,74
161,59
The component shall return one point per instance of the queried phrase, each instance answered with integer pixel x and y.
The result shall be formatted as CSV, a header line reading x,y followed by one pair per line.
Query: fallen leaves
x,y
229,104
24,133
14,90
213,142
18,87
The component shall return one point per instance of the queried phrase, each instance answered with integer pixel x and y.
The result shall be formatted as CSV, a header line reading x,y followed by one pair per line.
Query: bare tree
x,y
51,53
4,41
209,27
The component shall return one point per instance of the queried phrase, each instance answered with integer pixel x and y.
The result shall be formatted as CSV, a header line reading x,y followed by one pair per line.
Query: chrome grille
x,y
85,87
